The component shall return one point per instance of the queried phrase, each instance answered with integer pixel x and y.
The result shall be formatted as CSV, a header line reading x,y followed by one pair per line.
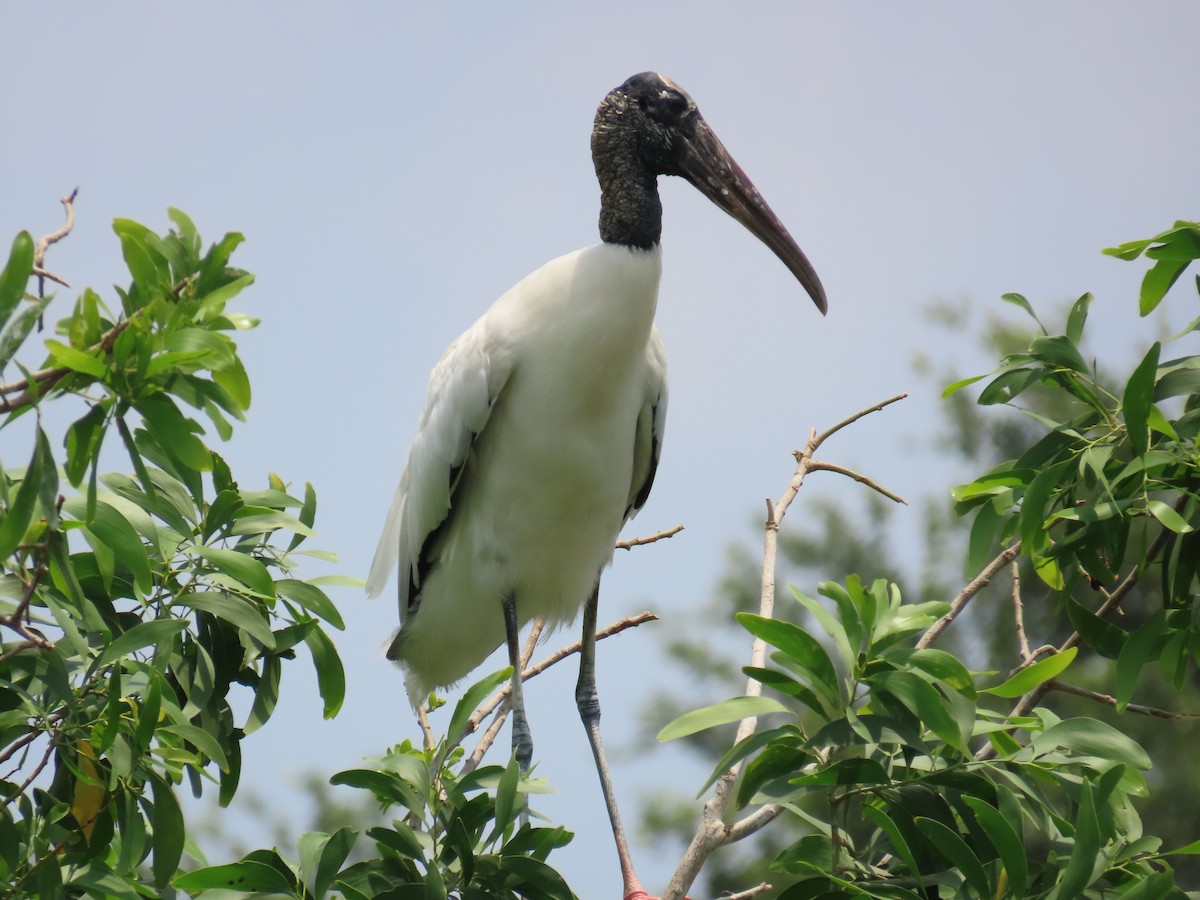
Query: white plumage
x,y
545,421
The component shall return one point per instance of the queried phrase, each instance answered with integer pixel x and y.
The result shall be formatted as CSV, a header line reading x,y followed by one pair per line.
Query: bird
x,y
543,423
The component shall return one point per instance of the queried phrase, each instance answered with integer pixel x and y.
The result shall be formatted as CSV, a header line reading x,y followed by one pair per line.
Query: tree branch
x,y
1111,602
39,253
649,539
1056,685
501,696
978,583
818,466
712,831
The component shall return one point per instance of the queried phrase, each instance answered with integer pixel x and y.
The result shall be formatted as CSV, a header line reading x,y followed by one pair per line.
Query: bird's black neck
x,y
630,210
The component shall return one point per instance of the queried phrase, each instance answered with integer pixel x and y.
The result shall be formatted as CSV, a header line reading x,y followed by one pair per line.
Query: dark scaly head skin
x,y
649,126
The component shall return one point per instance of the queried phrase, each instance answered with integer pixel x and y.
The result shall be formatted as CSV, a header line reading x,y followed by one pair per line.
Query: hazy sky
x,y
396,167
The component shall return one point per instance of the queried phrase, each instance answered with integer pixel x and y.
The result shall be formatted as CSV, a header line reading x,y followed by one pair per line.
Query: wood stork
x,y
544,421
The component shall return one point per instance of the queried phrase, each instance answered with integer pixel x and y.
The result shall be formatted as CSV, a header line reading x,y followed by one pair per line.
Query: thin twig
x,y
712,831
1056,685
39,253
1019,611
748,893
500,696
978,583
825,435
426,730
1111,602
818,466
49,276
649,539
37,770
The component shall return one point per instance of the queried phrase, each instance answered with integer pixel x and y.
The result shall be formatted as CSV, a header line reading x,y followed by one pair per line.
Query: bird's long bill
x,y
707,164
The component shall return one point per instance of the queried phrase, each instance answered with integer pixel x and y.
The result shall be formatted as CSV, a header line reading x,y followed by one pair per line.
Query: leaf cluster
x,y
138,603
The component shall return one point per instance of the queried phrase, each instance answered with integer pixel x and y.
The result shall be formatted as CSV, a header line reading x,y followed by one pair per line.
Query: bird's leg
x,y
588,702
522,738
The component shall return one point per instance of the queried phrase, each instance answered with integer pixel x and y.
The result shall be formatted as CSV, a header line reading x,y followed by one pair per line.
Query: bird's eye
x,y
673,102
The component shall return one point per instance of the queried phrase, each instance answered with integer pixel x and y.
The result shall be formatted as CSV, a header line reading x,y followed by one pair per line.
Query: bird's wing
x,y
463,389
651,424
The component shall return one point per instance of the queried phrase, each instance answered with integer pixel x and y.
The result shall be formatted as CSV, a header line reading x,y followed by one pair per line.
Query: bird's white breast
x,y
545,490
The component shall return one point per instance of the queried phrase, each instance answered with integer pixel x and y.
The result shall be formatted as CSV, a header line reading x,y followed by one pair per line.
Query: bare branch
x,y
430,741
39,253
40,383
1111,602
818,466
50,276
649,539
37,770
978,583
501,695
1019,611
761,888
825,435
712,831
1056,685
756,821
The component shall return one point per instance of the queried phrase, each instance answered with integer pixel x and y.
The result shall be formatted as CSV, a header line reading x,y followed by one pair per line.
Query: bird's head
x,y
650,126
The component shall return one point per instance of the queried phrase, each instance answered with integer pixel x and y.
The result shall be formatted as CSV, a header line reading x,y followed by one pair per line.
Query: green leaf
x,y
19,515
855,770
150,270
471,698
1019,300
1006,841
1157,281
16,273
506,799
1058,352
331,677
832,627
799,646
901,846
311,598
174,432
733,710
83,442
114,531
241,567
333,854
1137,400
1168,517
240,612
266,695
1032,676
1078,872
1140,647
168,831
943,666
245,877
951,845
923,701
1089,737
76,360
956,386
1077,318
20,327
1036,499
139,636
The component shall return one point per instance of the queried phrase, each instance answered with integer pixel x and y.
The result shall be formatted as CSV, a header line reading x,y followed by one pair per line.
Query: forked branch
x,y
713,831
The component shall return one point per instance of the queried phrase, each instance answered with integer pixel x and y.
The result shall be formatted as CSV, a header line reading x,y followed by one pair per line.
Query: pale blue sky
x,y
396,167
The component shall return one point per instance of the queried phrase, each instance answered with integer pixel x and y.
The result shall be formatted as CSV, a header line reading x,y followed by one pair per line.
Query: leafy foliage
x,y
138,601
914,776
460,835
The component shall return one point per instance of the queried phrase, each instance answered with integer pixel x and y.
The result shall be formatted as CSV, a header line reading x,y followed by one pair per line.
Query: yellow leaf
x,y
89,795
